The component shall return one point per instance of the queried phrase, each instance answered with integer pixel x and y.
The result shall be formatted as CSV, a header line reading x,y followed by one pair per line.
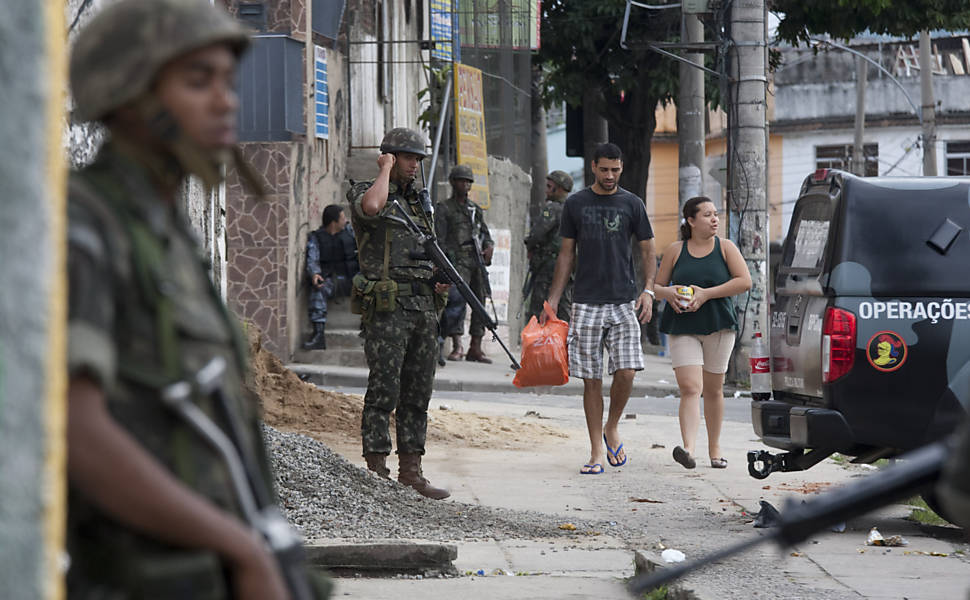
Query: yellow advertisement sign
x,y
470,129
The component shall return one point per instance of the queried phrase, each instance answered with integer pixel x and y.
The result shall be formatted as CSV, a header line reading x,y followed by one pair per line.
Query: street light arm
x,y
919,113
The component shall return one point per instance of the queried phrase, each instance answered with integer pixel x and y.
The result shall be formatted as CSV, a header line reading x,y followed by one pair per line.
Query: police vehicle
x,y
870,326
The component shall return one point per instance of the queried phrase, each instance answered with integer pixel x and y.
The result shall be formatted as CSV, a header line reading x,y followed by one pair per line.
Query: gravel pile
x,y
325,496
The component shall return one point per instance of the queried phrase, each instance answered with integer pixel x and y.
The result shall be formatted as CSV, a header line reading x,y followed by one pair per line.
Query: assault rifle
x,y
435,254
259,511
915,473
479,259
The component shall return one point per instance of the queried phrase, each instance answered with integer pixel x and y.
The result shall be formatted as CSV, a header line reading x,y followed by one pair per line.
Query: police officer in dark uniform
x,y
331,262
399,305
543,243
152,509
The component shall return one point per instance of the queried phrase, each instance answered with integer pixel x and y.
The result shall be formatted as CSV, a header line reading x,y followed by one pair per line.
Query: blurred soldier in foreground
x,y
153,512
331,262
543,244
462,233
399,306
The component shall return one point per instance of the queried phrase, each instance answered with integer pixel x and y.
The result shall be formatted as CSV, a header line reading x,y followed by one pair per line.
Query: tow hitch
x,y
762,463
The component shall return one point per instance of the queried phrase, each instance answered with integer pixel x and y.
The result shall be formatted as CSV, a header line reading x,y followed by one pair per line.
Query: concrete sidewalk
x,y
652,503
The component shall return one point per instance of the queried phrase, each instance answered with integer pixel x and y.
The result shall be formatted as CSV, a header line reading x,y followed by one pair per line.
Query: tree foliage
x,y
581,51
844,19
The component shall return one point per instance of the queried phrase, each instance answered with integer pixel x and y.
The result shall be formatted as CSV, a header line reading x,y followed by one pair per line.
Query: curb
x,y
647,562
388,557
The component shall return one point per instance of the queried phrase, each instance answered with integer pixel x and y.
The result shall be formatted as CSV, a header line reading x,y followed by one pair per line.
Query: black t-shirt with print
x,y
602,227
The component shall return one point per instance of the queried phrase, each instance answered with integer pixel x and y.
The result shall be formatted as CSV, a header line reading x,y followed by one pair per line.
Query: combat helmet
x,y
562,179
119,53
462,172
402,139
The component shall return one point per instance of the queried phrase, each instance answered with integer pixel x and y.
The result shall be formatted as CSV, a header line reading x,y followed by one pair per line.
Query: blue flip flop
x,y
594,469
611,455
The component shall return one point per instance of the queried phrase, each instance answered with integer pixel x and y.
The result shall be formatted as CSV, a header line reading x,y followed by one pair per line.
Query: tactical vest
x,y
169,322
386,249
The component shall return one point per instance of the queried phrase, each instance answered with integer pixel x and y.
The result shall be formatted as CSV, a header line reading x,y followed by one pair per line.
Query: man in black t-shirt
x,y
597,224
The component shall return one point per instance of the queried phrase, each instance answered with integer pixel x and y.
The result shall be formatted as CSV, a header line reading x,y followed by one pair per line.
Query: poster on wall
x,y
443,31
321,116
470,129
500,272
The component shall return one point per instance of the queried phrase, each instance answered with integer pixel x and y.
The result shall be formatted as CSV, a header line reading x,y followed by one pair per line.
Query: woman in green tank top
x,y
697,278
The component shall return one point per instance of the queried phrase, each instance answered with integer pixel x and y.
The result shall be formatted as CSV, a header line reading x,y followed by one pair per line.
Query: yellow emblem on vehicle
x,y
886,351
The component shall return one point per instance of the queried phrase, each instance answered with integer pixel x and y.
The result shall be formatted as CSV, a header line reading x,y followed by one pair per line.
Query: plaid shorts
x,y
594,326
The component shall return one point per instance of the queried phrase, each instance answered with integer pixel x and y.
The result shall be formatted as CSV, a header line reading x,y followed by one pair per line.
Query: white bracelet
x,y
652,295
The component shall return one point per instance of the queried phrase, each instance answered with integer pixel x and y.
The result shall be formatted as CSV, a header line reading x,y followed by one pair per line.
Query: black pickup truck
x,y
870,325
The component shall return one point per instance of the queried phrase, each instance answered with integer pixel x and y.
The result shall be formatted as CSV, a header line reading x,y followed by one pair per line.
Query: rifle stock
x,y
436,255
918,470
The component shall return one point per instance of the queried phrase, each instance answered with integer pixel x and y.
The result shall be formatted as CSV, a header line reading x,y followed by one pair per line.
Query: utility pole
x,y
858,146
540,158
747,163
928,103
596,130
690,113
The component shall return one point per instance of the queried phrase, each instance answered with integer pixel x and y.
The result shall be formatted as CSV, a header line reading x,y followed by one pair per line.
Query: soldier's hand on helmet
x,y
487,255
257,577
317,280
386,161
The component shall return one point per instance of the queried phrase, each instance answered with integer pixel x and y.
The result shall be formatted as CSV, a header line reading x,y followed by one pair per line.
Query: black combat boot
x,y
409,473
318,341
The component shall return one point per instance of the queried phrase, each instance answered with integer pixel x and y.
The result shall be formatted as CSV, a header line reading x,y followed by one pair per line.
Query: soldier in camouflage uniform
x,y
399,305
152,512
543,243
457,221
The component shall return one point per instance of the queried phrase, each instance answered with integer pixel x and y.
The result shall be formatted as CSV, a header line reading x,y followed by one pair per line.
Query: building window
x,y
840,157
958,158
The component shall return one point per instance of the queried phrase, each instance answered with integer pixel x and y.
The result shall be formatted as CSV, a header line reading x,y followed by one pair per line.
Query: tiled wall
x,y
257,233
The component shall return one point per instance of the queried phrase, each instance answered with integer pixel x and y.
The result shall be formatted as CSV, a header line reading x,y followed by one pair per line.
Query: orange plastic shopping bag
x,y
544,359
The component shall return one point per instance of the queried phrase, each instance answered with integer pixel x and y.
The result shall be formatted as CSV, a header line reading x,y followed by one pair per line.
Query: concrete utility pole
x,y
928,103
747,164
33,300
540,158
690,114
858,146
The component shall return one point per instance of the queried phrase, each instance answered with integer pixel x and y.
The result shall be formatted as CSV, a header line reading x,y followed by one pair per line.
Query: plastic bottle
x,y
760,369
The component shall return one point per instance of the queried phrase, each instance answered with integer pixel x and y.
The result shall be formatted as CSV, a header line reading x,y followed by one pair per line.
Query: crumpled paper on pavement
x,y
876,539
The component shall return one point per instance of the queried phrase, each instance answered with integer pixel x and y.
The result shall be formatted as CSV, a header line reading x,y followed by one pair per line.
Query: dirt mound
x,y
290,404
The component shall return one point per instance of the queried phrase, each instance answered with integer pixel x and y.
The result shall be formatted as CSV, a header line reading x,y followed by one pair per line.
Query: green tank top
x,y
705,272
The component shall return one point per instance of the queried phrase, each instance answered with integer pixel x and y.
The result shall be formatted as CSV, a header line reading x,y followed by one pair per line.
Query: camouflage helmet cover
x,y
562,179
119,53
462,172
402,139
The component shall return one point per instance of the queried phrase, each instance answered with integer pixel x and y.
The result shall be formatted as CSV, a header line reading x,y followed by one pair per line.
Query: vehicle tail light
x,y
820,175
838,343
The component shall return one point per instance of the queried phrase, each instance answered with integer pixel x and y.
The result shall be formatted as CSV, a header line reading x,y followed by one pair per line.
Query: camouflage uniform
x,y
543,243
142,311
455,228
401,343
114,336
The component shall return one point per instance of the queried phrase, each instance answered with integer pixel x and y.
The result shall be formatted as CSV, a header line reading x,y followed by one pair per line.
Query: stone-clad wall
x,y
257,243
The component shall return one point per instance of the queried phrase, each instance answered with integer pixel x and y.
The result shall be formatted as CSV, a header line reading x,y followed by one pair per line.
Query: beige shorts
x,y
711,351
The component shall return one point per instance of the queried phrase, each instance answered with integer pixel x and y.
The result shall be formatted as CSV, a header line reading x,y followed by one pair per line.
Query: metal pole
x,y
858,147
445,106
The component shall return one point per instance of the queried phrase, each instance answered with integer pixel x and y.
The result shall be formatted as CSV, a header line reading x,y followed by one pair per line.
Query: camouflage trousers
x,y
317,301
473,277
541,282
402,352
